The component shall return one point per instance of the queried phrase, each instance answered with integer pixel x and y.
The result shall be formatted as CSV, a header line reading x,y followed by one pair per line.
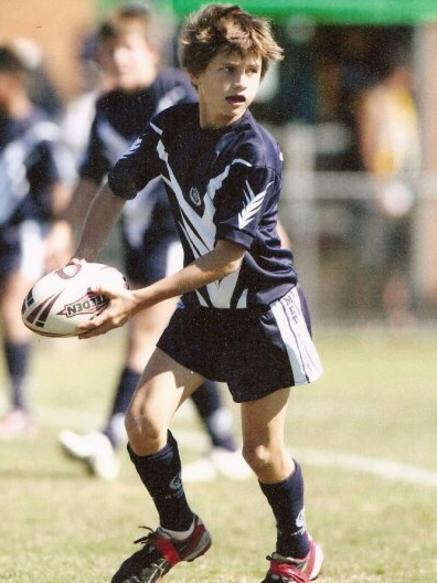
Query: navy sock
x,y
125,389
17,362
161,475
215,417
286,499
127,384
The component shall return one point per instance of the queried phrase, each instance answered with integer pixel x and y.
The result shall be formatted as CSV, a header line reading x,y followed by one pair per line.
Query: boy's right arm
x,y
74,215
79,204
130,175
103,212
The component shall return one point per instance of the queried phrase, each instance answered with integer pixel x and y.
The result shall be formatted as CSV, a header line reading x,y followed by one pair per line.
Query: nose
x,y
240,80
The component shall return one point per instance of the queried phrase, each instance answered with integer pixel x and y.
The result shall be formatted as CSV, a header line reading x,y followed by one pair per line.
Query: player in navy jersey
x,y
242,317
32,195
150,239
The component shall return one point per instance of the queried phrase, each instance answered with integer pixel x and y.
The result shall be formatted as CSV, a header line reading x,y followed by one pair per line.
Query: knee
x,y
258,456
267,461
145,436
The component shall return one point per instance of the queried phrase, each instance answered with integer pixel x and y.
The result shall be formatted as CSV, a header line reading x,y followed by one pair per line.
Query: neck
x,y
216,122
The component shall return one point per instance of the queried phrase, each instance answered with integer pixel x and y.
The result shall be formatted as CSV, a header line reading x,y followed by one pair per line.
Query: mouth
x,y
236,99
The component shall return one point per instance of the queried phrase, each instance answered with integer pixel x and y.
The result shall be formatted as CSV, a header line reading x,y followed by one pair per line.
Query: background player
x,y
150,240
32,196
242,317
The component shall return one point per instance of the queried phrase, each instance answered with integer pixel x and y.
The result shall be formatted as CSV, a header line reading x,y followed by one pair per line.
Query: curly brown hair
x,y
224,26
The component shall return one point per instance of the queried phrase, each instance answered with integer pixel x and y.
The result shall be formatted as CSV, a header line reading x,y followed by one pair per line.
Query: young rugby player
x,y
242,317
32,180
152,250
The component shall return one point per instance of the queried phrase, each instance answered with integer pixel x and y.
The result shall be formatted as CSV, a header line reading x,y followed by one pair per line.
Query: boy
x,y
32,195
242,318
142,89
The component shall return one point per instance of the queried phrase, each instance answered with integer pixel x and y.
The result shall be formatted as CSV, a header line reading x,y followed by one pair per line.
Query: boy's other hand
x,y
121,307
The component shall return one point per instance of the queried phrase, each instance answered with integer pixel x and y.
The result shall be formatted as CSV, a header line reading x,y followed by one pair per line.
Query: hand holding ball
x,y
63,299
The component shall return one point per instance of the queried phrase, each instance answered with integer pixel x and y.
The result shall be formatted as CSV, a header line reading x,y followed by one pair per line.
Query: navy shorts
x,y
254,351
156,258
22,250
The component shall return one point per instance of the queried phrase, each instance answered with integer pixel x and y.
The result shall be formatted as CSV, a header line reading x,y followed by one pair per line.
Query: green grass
x,y
377,399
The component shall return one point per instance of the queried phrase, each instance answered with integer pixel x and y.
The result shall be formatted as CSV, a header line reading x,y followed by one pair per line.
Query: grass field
x,y
365,435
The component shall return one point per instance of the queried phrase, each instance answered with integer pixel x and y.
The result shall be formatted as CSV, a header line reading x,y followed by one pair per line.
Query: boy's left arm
x,y
224,259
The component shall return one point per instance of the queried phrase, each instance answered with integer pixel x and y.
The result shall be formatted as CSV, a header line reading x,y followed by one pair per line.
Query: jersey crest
x,y
195,196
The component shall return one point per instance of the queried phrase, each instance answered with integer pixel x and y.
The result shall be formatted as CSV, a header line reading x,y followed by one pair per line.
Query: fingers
x,y
113,316
76,261
100,324
102,290
94,328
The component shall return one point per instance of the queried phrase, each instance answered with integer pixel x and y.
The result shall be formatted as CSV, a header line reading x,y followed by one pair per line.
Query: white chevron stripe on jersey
x,y
133,147
216,183
221,291
14,185
43,130
200,231
170,98
136,143
115,144
156,128
252,206
242,301
13,180
138,211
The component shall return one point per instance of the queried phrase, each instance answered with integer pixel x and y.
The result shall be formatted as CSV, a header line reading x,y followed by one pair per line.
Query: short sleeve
x,y
138,166
242,203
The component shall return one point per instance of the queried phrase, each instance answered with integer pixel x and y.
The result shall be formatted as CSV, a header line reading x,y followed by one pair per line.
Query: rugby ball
x,y
62,299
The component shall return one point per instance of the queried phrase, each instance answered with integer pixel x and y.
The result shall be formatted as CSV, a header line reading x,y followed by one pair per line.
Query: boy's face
x,y
227,87
130,60
10,84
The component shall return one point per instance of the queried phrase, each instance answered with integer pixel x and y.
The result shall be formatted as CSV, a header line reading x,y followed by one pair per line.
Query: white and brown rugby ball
x,y
61,300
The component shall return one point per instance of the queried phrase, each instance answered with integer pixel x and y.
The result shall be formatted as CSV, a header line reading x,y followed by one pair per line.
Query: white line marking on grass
x,y
322,458
198,441
379,467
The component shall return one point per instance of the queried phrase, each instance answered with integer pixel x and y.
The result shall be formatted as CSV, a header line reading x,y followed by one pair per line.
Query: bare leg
x,y
263,437
17,348
164,386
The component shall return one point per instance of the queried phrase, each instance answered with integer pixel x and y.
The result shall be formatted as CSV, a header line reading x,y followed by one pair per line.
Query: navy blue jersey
x,y
120,118
30,165
222,184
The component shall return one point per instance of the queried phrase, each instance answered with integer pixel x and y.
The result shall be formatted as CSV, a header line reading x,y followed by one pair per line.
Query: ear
x,y
194,79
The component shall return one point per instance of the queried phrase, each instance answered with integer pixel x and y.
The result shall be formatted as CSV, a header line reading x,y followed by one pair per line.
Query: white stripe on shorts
x,y
32,250
304,359
175,258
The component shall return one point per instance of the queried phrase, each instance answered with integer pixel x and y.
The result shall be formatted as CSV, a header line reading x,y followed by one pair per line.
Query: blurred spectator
x,y
42,91
95,79
388,144
32,196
